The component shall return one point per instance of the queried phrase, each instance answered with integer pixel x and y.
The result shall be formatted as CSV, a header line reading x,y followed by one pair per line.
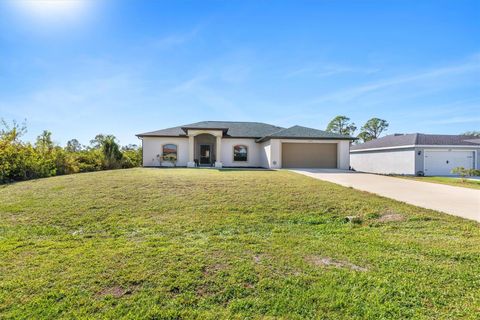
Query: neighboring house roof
x,y
257,130
413,139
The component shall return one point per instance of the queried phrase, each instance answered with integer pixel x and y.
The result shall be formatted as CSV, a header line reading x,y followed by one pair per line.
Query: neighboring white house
x,y
416,154
244,144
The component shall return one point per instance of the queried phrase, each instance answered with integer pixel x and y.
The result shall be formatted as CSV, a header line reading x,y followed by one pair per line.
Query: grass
x,y
209,244
452,181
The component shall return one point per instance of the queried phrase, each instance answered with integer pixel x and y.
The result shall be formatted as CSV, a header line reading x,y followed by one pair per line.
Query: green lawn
x,y
209,244
472,184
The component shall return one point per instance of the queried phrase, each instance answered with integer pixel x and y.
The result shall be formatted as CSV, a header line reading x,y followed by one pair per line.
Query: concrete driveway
x,y
457,201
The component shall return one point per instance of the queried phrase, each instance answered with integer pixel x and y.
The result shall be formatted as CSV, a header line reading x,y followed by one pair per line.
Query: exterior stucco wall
x,y
343,156
253,156
275,161
152,146
265,154
385,162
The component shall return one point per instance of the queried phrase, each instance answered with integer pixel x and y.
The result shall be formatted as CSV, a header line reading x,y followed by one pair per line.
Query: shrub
x,y
131,158
464,173
22,161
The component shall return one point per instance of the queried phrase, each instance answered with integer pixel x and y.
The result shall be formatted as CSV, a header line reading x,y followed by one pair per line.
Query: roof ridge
x,y
270,134
229,121
329,132
416,137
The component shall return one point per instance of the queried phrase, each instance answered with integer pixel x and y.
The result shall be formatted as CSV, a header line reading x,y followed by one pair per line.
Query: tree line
x,y
372,129
20,160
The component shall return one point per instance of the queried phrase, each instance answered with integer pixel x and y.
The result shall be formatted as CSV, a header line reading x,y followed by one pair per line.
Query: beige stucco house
x,y
244,144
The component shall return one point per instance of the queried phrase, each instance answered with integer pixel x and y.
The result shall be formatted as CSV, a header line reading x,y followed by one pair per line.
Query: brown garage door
x,y
309,155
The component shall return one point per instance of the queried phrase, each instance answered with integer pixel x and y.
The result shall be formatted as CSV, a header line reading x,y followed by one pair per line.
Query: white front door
x,y
441,163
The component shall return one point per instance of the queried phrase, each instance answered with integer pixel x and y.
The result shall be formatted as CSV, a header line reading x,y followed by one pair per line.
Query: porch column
x,y
218,151
191,151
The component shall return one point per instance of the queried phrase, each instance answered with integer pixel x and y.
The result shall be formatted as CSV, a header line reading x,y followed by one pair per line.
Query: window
x,y
169,152
240,153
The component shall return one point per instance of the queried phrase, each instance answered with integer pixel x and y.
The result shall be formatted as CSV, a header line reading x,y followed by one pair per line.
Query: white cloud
x,y
426,78
174,40
328,70
208,97
456,120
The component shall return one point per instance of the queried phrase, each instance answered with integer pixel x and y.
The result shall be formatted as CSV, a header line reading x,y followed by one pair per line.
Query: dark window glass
x,y
240,153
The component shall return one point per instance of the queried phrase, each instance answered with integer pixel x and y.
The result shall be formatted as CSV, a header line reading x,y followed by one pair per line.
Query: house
x,y
244,144
416,154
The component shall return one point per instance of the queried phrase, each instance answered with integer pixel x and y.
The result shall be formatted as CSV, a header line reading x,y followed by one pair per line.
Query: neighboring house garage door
x,y
309,155
441,163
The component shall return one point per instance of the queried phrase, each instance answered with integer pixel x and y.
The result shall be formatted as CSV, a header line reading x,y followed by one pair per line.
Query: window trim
x,y
233,153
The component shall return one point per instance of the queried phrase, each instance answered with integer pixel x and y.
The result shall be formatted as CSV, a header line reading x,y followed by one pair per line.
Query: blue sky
x,y
125,67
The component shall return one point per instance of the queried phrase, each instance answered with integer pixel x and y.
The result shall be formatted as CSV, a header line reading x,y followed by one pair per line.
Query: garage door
x,y
441,163
309,155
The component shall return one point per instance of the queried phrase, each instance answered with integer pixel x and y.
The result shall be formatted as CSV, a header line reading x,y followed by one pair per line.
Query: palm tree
x,y
111,151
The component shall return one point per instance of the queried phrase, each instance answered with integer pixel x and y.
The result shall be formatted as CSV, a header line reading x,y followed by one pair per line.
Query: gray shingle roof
x,y
299,132
237,129
443,139
233,129
257,130
412,139
168,132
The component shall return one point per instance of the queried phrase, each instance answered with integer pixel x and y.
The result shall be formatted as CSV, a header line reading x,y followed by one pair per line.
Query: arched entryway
x,y
205,149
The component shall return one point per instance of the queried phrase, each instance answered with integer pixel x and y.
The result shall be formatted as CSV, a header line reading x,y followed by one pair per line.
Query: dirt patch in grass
x,y
353,219
391,217
115,291
214,269
259,258
329,262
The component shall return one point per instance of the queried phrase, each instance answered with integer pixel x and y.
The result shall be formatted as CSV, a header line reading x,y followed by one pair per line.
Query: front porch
x,y
205,148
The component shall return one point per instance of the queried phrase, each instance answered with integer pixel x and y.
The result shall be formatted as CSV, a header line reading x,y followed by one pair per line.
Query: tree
x,y
472,133
97,142
364,137
341,125
21,160
73,146
131,158
129,147
111,152
372,129
13,132
44,142
13,153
